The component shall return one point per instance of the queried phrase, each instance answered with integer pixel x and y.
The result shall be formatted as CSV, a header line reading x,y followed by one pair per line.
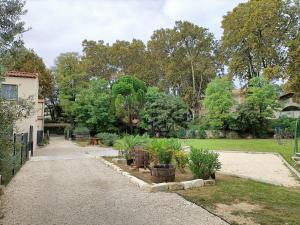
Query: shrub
x,y
107,139
165,155
203,163
285,124
127,144
191,134
181,132
81,131
201,133
181,160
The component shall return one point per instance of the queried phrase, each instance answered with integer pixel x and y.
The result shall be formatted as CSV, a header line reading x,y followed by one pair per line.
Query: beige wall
x,y
27,87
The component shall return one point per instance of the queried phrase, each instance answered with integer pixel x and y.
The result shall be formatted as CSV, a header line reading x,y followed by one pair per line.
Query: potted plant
x,y
180,157
127,145
162,170
141,158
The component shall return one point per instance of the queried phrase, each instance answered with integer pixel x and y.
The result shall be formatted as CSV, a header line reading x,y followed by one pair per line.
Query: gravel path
x,y
263,167
62,185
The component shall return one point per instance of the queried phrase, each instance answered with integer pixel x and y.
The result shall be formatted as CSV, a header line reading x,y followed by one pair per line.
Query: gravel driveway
x,y
63,185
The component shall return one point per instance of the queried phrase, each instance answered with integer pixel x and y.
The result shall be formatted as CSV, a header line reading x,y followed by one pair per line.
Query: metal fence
x,y
14,155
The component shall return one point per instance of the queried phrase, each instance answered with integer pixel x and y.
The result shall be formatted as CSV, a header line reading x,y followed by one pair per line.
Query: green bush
x,y
165,155
203,163
201,133
191,133
127,144
181,160
107,139
81,131
285,124
181,133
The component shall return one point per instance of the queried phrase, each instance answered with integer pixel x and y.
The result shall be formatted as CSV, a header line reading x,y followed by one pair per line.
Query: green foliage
x,y
191,133
93,108
293,67
201,133
181,160
181,133
164,114
180,157
218,103
128,93
185,57
11,27
107,139
164,155
285,124
71,79
45,141
128,143
260,103
254,38
81,131
203,163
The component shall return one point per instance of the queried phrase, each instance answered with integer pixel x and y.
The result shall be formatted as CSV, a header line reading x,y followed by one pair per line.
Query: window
x,y
9,91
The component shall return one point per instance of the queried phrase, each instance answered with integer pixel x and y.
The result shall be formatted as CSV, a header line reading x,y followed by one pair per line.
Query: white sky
x,y
61,25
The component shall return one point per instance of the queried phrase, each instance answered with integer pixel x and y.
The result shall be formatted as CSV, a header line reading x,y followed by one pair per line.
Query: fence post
x,y
14,155
22,137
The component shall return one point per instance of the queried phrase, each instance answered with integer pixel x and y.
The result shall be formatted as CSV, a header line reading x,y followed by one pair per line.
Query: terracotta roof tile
x,y
21,74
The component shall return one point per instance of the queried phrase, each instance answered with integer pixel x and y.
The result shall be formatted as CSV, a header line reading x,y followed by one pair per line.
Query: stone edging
x,y
161,186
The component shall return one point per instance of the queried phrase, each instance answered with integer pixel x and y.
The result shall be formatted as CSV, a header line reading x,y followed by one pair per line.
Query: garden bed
x,y
144,179
147,176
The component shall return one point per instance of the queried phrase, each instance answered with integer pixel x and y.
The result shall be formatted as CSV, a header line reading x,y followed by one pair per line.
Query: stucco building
x,y
25,85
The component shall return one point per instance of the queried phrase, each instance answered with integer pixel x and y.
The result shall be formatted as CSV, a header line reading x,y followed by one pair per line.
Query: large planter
x,y
163,173
141,159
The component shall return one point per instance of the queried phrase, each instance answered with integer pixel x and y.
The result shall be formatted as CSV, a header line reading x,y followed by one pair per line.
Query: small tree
x,y
128,93
164,114
258,108
218,102
92,108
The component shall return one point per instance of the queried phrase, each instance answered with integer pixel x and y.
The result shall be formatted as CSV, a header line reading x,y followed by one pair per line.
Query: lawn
x,y
250,145
240,200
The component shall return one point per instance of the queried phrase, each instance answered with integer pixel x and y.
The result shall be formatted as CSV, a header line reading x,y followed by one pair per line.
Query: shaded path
x,y
62,185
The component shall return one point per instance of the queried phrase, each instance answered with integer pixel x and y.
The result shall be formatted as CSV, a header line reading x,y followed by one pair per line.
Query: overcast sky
x,y
61,25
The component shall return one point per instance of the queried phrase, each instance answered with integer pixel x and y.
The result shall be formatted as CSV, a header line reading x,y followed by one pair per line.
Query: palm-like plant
x,y
128,143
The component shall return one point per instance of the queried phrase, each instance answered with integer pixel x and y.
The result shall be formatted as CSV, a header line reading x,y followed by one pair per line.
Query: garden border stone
x,y
172,186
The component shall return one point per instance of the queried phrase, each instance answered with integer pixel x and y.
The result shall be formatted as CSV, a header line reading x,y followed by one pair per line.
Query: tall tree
x,y
93,108
11,27
259,106
186,57
128,93
97,59
254,38
219,102
71,78
293,68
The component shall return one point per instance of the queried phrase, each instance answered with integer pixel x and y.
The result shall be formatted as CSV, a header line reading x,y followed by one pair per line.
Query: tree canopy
x,y
219,102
